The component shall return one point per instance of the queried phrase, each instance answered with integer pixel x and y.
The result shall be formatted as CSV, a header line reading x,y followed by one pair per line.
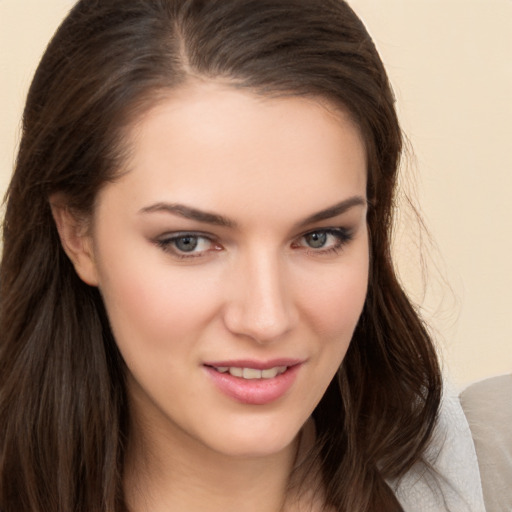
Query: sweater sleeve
x,y
448,478
488,408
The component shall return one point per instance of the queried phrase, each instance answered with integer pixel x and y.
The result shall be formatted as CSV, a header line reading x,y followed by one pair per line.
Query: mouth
x,y
251,373
253,382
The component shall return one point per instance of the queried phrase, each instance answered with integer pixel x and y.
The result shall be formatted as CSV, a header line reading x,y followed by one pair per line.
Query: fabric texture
x,y
448,478
488,408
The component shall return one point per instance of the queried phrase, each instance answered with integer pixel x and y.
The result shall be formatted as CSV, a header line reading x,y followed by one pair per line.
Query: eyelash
x,y
342,237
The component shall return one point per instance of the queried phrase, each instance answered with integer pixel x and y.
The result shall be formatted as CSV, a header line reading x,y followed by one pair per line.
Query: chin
x,y
254,443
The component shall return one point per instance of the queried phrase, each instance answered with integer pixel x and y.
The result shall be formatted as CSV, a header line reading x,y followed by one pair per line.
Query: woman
x,y
198,305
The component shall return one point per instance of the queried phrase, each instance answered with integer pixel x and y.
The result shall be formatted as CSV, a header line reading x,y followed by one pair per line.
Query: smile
x,y
254,382
252,373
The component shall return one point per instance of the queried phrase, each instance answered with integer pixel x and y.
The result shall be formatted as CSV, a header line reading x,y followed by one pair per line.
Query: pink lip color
x,y
254,391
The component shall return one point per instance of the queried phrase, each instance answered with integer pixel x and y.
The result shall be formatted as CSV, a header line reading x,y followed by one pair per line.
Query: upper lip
x,y
252,363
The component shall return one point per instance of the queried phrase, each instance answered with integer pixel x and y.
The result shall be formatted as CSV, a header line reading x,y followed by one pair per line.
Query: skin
x,y
259,287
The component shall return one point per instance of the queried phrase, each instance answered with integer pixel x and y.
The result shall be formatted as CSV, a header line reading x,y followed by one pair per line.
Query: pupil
x,y
316,240
186,243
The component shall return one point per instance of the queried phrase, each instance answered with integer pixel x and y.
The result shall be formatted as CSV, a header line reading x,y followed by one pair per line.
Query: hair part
x,y
63,404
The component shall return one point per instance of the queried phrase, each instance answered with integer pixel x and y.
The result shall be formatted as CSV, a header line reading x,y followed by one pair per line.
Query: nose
x,y
260,304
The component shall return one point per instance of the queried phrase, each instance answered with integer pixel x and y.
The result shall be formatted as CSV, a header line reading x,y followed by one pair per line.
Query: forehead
x,y
210,144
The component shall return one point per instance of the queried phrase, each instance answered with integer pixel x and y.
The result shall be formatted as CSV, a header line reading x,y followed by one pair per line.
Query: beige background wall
x,y
450,62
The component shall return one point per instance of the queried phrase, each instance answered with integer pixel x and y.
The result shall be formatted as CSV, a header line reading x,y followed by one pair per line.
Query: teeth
x,y
236,372
252,373
270,373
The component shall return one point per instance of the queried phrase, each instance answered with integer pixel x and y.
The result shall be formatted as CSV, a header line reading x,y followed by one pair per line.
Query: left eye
x,y
316,240
324,239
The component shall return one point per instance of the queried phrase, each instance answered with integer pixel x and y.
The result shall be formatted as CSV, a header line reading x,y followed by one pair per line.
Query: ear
x,y
75,239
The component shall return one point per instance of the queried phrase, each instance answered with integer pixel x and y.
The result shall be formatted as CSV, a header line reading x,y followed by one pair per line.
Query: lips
x,y
254,382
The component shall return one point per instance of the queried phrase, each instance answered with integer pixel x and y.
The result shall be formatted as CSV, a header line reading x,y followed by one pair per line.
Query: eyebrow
x,y
334,211
188,212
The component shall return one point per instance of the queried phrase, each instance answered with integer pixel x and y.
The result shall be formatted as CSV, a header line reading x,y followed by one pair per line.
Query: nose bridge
x,y
261,305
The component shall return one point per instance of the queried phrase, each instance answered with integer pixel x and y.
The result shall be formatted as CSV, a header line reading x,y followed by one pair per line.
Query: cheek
x,y
150,304
331,304
334,304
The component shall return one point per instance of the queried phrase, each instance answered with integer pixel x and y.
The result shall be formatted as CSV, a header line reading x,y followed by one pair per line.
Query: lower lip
x,y
254,391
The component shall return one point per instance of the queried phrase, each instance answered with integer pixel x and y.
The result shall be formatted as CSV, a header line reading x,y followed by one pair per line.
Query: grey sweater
x,y
488,408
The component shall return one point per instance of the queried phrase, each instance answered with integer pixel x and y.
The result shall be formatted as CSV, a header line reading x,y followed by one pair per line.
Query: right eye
x,y
187,245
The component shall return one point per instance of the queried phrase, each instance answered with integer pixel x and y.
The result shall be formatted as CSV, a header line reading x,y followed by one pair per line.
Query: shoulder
x,y
489,397
447,478
488,408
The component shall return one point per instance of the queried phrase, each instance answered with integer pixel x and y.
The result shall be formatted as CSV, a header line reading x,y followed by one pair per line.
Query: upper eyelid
x,y
327,229
171,235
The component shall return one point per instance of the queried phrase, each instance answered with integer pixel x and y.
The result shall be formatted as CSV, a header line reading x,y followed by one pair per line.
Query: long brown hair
x,y
63,407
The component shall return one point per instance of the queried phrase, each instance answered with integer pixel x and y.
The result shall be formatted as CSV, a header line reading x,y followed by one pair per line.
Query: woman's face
x,y
232,257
